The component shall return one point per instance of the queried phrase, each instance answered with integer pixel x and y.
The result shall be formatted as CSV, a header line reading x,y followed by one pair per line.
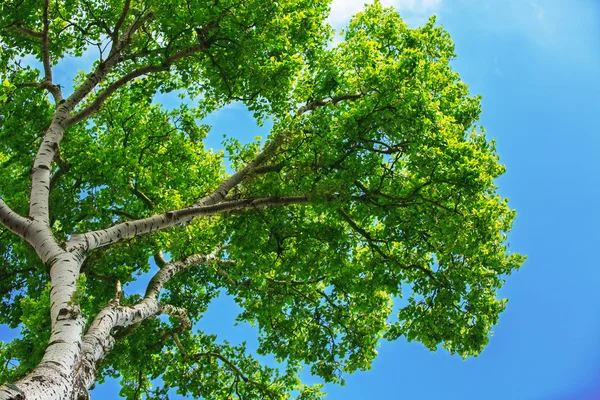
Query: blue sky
x,y
537,65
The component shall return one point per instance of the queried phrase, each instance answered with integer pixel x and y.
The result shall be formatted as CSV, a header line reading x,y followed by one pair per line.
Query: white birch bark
x,y
53,377
98,341
68,366
125,230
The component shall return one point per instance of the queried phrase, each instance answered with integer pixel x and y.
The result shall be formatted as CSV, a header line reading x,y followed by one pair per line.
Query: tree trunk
x,y
55,377
68,367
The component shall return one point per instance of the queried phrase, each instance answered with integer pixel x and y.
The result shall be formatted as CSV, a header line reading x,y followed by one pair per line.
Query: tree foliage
x,y
374,187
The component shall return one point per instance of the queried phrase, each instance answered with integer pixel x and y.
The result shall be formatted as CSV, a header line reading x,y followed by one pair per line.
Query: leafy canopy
x,y
390,186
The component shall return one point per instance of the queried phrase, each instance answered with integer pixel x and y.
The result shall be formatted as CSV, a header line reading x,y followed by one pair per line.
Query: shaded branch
x,y
159,259
126,332
45,44
376,248
322,103
99,339
230,365
293,282
105,66
177,312
63,168
115,316
53,89
122,213
29,32
140,195
265,169
29,84
169,270
124,12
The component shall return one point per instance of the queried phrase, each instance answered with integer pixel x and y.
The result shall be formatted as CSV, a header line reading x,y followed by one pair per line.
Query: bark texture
x,y
69,365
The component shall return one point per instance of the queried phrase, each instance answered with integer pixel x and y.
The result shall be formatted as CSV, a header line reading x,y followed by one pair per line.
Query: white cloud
x,y
414,12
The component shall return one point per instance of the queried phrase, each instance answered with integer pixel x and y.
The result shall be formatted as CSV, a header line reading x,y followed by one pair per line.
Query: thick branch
x,y
254,167
221,192
118,293
159,259
100,98
38,235
42,165
13,221
129,229
99,339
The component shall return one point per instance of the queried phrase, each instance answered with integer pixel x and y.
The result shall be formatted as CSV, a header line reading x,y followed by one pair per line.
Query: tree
x,y
373,186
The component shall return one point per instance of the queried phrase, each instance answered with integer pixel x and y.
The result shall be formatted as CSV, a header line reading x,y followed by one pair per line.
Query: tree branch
x,y
48,82
42,164
177,312
99,338
13,221
29,32
63,168
141,195
104,67
333,101
129,229
53,89
159,259
45,45
95,105
265,169
124,12
221,191
230,365
169,270
374,247
118,293
122,213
